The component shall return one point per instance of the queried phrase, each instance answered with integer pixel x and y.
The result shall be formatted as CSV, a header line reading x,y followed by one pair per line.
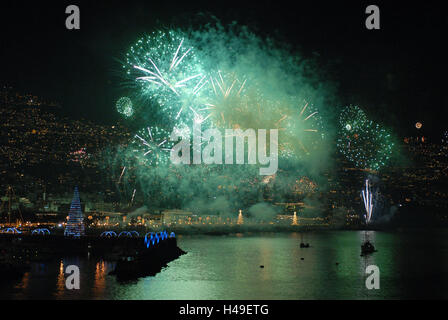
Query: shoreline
x,y
92,233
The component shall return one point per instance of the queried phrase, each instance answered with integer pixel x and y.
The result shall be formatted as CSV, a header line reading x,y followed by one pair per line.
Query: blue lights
x,y
75,224
151,238
41,231
126,234
129,234
156,237
11,230
109,234
135,233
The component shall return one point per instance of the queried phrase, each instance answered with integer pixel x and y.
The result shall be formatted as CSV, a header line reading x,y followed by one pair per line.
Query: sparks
x,y
164,66
368,204
155,144
121,175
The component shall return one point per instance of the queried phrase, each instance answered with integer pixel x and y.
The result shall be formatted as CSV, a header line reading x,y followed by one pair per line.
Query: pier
x,y
135,255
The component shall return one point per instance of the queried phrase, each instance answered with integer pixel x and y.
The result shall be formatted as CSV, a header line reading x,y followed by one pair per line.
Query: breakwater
x,y
135,255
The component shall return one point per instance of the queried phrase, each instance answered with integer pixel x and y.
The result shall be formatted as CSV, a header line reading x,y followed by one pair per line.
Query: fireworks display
x,y
125,107
166,69
167,72
223,103
152,146
80,156
368,202
305,126
364,143
216,79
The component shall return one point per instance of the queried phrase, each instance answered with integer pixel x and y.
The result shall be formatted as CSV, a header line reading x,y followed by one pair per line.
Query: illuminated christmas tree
x,y
240,218
294,219
75,223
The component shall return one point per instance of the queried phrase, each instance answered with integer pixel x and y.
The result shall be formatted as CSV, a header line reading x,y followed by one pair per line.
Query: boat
x,y
303,244
367,248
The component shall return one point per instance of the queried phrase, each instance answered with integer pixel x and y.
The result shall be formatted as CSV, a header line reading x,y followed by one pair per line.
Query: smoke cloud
x,y
271,87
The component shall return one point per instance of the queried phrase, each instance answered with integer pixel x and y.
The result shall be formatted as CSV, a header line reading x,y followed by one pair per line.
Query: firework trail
x,y
306,122
368,204
221,97
121,175
133,195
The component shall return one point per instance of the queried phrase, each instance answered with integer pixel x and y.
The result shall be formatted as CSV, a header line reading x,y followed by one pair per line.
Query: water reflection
x,y
60,284
412,265
102,270
23,284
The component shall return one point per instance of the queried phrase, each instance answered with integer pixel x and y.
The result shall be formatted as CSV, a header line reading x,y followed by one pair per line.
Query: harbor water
x,y
412,265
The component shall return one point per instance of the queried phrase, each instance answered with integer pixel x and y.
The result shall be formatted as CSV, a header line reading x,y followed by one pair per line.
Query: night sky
x,y
395,73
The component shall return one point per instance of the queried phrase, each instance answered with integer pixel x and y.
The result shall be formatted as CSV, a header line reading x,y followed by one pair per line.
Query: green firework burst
x,y
151,146
364,143
166,70
125,107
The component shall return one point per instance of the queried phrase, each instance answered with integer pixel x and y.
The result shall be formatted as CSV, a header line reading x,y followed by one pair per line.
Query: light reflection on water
x,y
412,265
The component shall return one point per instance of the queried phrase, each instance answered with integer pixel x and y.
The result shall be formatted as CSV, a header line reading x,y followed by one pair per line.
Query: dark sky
x,y
395,73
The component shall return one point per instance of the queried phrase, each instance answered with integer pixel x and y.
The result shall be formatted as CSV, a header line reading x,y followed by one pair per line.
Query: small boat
x,y
367,248
303,244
